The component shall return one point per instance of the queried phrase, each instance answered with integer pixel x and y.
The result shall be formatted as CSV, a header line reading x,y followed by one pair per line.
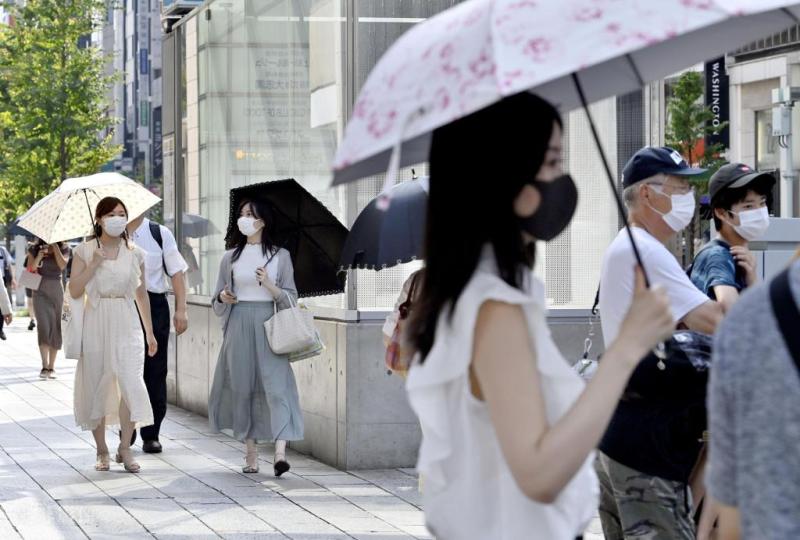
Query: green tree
x,y
689,124
53,98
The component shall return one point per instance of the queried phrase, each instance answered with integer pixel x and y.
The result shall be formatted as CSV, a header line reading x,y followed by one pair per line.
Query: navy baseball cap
x,y
652,160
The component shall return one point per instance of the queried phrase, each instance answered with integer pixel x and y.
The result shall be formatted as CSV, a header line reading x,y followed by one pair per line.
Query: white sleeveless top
x,y
467,487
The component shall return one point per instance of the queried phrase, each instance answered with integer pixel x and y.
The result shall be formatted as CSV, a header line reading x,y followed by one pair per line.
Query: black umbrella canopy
x,y
303,226
384,238
15,230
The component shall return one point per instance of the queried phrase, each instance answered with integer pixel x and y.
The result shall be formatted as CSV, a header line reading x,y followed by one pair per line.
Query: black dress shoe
x,y
281,467
32,325
151,447
2,335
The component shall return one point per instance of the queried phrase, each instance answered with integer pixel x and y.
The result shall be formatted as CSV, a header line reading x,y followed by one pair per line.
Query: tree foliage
x,y
53,99
689,124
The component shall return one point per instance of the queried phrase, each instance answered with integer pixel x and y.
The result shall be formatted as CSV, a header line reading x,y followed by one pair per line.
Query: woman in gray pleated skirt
x,y
254,392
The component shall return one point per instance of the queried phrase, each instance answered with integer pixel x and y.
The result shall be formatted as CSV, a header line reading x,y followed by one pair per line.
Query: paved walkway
x,y
195,489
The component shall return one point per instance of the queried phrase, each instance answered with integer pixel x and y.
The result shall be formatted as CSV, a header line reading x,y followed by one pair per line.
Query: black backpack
x,y
660,422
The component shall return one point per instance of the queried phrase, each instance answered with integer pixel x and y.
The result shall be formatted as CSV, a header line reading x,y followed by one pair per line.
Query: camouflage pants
x,y
637,506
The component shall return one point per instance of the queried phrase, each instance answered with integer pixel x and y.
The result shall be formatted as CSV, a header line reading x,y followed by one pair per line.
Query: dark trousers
x,y
155,368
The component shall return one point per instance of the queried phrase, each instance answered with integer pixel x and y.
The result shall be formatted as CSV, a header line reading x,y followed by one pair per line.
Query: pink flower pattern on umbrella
x,y
538,49
480,50
381,123
587,13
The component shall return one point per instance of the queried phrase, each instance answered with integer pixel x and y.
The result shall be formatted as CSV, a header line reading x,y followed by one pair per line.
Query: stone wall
x,y
355,411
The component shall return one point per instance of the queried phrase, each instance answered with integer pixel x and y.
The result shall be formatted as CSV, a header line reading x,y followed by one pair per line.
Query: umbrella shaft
x,y
91,217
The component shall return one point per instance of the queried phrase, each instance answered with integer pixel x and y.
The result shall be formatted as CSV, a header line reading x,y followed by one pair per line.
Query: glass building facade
x,y
258,90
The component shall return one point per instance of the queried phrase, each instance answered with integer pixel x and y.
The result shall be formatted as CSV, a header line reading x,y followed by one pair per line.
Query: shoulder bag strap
x,y
155,231
405,307
787,313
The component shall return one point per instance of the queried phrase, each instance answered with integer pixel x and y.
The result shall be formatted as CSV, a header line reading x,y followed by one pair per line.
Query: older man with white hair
x,y
643,496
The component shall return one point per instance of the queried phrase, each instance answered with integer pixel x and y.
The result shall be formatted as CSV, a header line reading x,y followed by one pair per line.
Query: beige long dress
x,y
112,361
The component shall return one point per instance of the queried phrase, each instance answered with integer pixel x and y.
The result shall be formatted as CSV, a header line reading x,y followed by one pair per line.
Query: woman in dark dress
x,y
50,262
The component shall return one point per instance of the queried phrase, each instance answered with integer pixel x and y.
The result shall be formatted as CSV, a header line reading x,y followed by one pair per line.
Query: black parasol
x,y
385,238
303,226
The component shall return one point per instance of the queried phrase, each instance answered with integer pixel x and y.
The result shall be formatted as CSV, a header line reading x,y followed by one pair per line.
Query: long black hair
x,y
261,210
478,166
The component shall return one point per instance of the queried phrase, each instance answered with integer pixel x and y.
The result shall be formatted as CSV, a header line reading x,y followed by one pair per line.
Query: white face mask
x,y
682,210
752,223
247,225
115,225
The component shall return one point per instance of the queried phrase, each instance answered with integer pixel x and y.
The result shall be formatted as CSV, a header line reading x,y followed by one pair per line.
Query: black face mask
x,y
559,201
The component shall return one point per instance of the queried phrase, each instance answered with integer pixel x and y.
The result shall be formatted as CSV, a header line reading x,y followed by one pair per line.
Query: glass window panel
x,y
254,110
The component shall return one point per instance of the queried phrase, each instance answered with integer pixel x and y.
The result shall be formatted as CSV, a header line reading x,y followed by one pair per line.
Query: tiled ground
x,y
195,489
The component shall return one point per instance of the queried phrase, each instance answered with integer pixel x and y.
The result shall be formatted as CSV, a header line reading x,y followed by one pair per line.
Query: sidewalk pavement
x,y
194,489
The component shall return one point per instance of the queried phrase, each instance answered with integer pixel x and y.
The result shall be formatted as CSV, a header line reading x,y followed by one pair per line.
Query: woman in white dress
x,y
508,427
109,384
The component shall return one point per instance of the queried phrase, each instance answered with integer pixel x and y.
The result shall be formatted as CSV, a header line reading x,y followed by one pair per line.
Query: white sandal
x,y
125,457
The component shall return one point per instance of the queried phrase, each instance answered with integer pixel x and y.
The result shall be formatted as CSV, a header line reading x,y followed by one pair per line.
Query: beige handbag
x,y
291,330
72,325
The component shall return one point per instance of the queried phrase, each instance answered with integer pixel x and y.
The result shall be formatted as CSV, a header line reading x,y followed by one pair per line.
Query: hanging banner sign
x,y
144,63
717,88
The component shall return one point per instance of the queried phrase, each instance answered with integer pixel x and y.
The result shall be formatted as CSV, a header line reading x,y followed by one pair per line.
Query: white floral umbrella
x,y
68,212
474,54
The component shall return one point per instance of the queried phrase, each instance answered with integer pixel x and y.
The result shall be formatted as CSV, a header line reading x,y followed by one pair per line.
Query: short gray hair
x,y
630,195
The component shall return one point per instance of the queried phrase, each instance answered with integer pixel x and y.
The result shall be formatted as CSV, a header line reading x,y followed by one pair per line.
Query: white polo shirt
x,y
153,263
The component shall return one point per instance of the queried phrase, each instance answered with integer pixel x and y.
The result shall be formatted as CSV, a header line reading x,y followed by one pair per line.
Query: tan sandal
x,y
125,457
251,460
103,460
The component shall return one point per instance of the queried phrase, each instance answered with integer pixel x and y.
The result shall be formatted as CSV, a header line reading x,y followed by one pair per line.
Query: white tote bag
x,y
291,330
314,350
72,325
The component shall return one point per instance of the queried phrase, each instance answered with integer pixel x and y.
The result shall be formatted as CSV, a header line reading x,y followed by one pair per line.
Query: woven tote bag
x,y
291,330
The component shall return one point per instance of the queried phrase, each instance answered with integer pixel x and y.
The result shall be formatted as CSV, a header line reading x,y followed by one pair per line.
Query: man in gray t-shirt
x,y
754,422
